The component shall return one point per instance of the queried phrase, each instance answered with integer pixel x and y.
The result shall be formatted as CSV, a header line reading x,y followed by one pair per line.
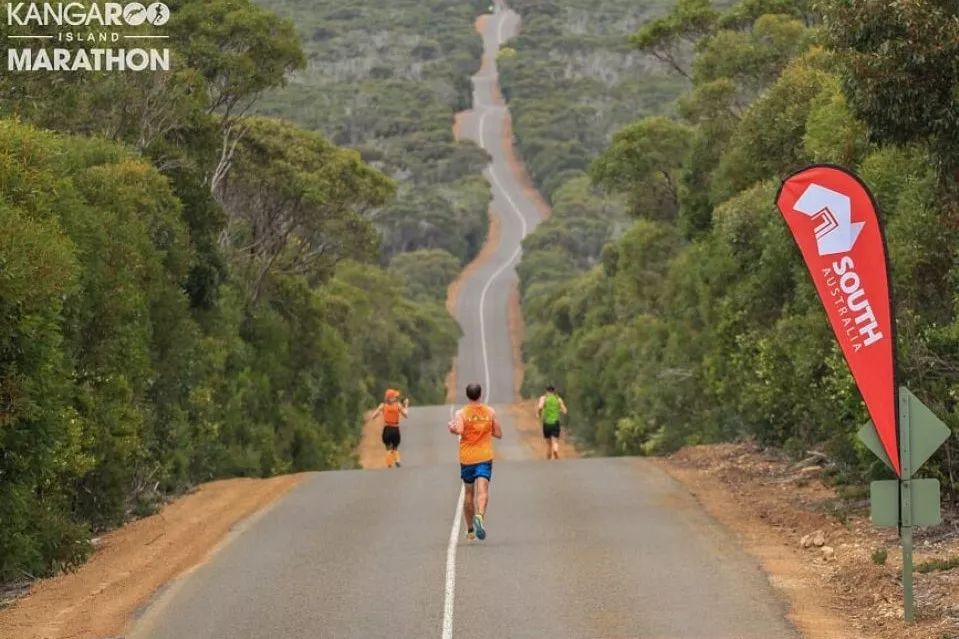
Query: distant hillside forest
x,y
699,323
385,77
190,292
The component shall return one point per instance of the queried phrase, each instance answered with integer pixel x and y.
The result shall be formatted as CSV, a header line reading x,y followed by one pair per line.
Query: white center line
x,y
450,590
450,594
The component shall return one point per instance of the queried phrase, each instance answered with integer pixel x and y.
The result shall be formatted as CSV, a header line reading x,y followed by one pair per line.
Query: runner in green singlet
x,y
549,409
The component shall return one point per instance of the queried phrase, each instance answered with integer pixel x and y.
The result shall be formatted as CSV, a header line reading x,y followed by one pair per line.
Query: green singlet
x,y
551,409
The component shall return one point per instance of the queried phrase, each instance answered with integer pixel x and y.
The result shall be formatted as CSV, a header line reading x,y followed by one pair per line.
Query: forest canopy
x,y
385,78
699,323
189,291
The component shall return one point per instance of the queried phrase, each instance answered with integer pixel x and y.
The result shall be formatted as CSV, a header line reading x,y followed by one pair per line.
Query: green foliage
x,y
39,433
570,241
769,139
686,23
832,132
879,556
743,14
239,49
700,322
644,161
754,59
386,78
938,564
295,204
571,81
189,293
900,68
447,216
427,272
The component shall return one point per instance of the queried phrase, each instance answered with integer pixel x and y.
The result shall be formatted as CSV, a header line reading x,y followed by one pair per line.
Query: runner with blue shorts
x,y
477,425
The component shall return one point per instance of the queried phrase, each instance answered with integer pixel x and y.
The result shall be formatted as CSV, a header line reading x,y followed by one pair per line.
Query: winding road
x,y
576,548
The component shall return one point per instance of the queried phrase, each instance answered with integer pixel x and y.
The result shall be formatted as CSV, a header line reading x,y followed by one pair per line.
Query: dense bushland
x,y
700,323
385,77
188,292
572,79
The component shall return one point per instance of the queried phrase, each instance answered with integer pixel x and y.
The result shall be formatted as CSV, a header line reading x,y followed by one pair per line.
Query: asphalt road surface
x,y
485,354
576,548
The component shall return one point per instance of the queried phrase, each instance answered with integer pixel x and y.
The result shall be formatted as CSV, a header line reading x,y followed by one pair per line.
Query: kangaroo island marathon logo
x,y
86,36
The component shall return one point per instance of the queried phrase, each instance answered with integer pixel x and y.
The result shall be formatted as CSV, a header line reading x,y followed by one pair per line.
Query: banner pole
x,y
905,504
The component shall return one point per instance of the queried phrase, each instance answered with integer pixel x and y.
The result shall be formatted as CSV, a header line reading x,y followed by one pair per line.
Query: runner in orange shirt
x,y
477,425
392,412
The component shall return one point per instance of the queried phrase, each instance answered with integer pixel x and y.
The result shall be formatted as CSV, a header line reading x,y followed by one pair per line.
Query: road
x,y
485,353
576,548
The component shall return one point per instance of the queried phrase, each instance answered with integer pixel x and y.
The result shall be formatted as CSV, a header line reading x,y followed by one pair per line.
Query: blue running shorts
x,y
469,472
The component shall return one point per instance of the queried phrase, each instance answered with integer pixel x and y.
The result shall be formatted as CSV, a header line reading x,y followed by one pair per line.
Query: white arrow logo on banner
x,y
832,211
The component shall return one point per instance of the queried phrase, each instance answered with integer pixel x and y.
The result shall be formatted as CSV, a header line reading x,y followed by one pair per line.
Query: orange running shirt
x,y
391,414
476,443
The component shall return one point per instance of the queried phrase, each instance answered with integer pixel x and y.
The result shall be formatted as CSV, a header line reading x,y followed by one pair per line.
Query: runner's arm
x,y
539,406
562,406
497,429
456,424
376,413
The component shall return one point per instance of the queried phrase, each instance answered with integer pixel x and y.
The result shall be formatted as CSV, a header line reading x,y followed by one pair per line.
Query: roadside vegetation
x,y
385,77
699,323
572,80
190,292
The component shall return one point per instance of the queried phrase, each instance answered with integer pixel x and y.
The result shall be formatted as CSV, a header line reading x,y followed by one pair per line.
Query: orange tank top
x,y
476,443
391,414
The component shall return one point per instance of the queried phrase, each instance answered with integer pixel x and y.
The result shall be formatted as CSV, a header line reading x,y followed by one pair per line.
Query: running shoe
x,y
398,464
470,535
478,525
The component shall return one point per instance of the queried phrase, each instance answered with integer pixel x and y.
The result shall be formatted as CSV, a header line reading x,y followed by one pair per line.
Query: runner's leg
x,y
386,444
482,495
468,505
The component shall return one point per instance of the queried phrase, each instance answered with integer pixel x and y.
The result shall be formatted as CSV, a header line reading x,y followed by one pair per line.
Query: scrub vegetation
x,y
385,77
699,323
190,291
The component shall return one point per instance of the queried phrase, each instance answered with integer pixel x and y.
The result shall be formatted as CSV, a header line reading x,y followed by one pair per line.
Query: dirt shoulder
x,y
833,587
100,598
370,450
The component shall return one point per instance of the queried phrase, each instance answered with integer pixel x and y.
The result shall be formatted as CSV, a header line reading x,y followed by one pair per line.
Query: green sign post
x,y
907,502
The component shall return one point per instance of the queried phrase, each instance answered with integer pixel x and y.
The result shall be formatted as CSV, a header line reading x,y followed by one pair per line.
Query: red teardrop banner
x,y
833,218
